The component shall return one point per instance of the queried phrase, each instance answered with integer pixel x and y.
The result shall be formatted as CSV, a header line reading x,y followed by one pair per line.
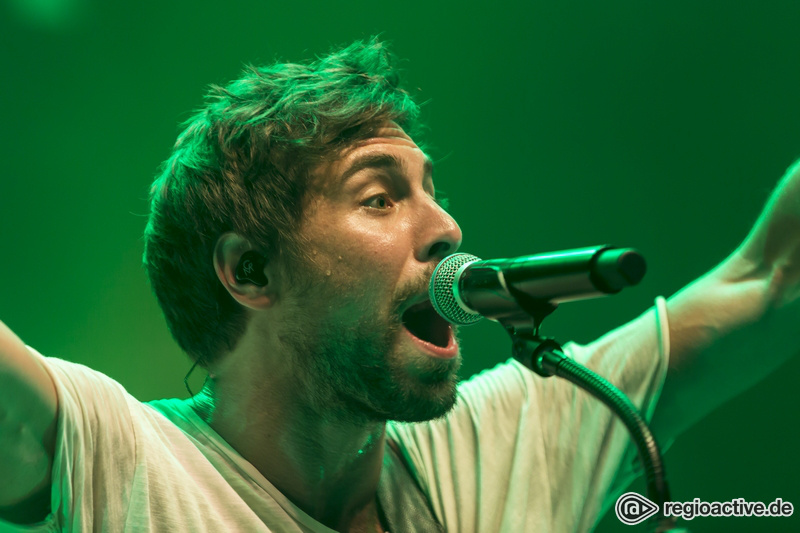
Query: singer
x,y
292,236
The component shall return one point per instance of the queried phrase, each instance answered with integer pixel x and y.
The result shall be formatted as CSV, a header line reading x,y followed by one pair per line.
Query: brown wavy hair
x,y
242,164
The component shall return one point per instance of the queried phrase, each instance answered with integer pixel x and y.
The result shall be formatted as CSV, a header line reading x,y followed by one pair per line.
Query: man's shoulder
x,y
76,381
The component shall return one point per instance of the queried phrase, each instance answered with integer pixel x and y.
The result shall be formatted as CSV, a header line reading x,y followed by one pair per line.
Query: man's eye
x,y
380,201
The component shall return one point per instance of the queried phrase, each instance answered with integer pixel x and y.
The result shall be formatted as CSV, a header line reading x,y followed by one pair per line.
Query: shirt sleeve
x,y
524,453
94,451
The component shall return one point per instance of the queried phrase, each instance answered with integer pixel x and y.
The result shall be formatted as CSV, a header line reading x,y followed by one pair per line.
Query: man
x,y
291,239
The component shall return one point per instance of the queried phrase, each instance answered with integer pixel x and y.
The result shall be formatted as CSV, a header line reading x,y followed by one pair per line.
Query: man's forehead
x,y
391,130
388,133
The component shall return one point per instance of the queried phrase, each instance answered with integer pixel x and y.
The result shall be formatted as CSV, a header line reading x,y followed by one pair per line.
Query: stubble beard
x,y
351,364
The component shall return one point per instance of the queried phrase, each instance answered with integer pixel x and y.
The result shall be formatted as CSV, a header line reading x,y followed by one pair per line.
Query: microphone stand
x,y
545,357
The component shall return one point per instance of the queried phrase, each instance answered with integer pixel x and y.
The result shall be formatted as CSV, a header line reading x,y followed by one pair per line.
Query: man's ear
x,y
244,272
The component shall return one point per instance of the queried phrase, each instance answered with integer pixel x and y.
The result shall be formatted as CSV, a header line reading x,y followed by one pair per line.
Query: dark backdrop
x,y
554,124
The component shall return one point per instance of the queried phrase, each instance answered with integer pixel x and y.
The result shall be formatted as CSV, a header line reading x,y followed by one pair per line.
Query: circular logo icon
x,y
632,508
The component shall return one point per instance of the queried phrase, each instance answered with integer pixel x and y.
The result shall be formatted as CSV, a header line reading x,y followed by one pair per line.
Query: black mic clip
x,y
528,322
541,355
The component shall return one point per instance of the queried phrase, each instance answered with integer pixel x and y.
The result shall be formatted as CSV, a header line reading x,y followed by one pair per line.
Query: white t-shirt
x,y
517,453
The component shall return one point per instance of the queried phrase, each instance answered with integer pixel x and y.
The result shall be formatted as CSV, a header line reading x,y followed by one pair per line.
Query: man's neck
x,y
326,466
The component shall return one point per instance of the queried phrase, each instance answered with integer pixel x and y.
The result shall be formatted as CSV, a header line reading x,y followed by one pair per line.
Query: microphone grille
x,y
443,287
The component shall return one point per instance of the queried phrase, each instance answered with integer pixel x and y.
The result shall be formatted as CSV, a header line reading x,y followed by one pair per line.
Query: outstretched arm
x,y
28,407
739,322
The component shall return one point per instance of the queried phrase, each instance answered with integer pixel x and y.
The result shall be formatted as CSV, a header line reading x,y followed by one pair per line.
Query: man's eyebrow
x,y
382,161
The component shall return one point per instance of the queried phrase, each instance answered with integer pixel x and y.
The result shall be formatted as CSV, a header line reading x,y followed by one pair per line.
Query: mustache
x,y
412,290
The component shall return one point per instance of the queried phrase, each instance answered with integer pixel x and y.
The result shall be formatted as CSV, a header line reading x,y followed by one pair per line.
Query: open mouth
x,y
426,324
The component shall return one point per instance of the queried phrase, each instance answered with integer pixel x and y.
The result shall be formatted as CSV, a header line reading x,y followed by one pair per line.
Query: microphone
x,y
464,288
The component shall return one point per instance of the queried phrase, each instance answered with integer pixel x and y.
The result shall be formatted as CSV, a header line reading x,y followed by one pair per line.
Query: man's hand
x,y
736,324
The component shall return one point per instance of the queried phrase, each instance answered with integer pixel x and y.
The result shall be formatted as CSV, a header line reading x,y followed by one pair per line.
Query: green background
x,y
661,126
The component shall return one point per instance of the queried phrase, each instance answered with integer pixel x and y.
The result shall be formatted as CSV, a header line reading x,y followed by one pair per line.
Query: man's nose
x,y
441,235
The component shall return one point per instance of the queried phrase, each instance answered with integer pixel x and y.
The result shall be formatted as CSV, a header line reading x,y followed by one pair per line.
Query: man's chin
x,y
433,372
424,389
425,409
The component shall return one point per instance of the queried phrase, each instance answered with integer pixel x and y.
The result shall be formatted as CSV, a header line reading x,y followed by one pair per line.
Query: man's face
x,y
373,234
